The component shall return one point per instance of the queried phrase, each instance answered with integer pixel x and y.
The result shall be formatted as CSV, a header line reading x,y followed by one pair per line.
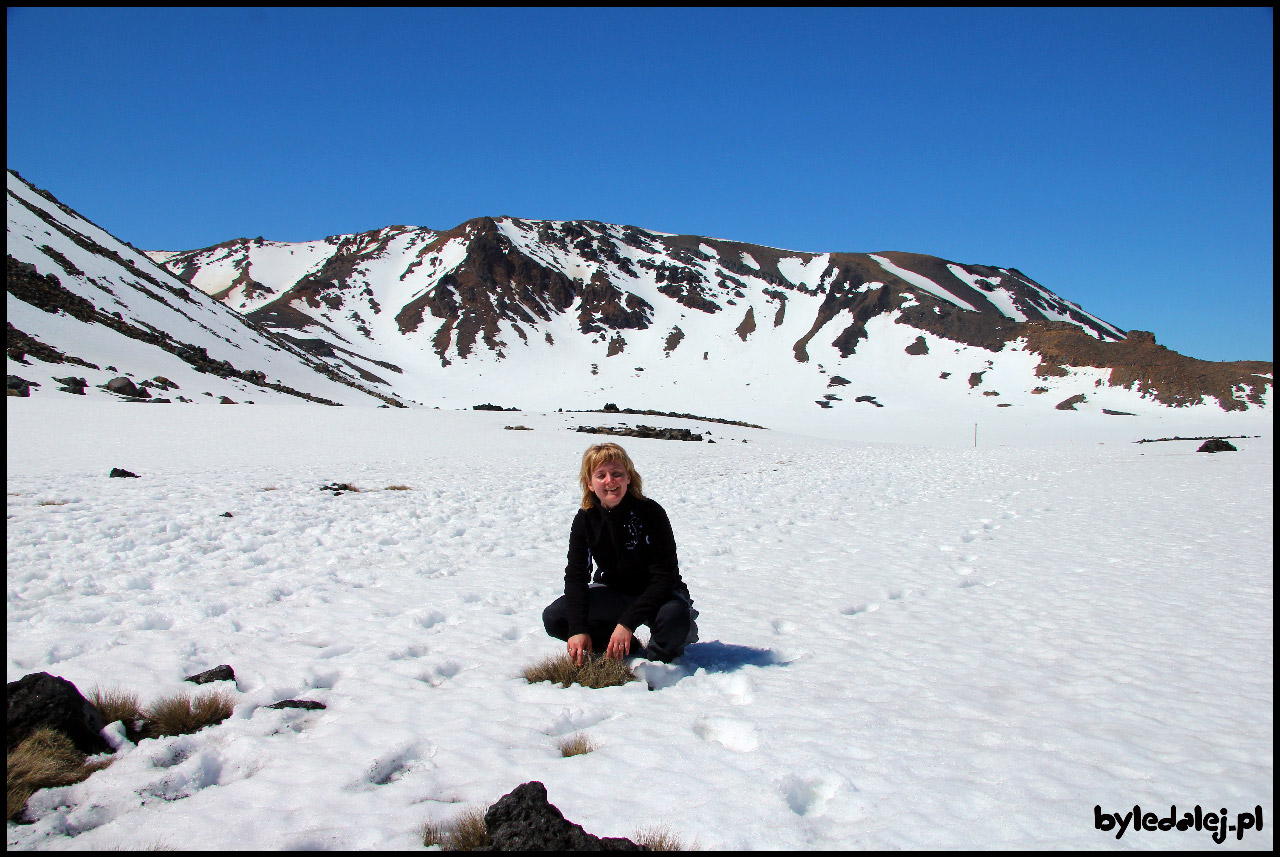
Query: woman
x,y
637,579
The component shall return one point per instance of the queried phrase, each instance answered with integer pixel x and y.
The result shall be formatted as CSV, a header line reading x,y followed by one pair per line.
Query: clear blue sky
x,y
1122,158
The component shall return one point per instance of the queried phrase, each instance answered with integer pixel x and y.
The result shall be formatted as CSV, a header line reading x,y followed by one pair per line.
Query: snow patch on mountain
x,y
804,272
922,282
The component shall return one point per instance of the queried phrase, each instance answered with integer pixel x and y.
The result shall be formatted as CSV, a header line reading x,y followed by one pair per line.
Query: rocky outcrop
x,y
525,820
643,431
1139,364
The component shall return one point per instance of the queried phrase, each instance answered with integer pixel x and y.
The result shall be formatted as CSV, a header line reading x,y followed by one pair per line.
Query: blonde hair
x,y
606,453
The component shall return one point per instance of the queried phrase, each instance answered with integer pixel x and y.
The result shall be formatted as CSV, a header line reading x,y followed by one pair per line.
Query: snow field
x,y
901,646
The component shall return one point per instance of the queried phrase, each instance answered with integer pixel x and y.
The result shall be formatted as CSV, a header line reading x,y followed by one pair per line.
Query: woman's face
x,y
609,481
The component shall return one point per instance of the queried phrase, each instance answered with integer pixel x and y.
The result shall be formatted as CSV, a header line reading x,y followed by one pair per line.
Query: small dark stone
x,y
226,515
43,700
308,704
120,472
218,673
1216,444
524,820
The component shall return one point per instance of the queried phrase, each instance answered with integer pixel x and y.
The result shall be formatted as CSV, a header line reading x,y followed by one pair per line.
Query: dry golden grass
x,y
44,759
596,671
116,704
577,745
398,488
465,832
52,503
182,715
662,839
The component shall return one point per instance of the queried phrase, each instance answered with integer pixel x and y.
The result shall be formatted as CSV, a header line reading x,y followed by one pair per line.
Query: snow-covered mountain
x,y
545,315
85,308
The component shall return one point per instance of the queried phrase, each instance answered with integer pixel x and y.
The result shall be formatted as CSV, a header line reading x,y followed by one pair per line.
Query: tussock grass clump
x,y
578,744
465,832
46,758
662,839
596,671
398,488
182,715
158,845
116,704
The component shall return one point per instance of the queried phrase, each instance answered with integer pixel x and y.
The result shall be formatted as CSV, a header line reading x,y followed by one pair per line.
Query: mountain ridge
x,y
572,314
524,272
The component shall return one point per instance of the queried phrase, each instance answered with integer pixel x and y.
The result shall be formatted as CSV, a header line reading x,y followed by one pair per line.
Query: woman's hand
x,y
619,643
579,648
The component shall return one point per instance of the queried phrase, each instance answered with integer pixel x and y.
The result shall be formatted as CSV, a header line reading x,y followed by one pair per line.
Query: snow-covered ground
x,y
903,646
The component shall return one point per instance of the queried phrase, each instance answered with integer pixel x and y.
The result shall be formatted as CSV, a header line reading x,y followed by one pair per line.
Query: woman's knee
x,y
554,620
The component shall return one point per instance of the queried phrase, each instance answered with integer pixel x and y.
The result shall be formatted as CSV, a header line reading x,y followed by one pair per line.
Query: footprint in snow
x,y
810,795
390,766
438,674
431,619
855,609
410,652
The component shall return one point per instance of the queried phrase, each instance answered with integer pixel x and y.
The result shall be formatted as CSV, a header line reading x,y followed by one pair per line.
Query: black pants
x,y
673,627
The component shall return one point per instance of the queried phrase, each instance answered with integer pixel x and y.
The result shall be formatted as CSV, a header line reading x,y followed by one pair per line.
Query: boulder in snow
x,y
41,700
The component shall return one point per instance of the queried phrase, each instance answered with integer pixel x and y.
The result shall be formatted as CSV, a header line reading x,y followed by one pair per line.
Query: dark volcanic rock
x,y
19,386
218,673
308,704
125,387
72,384
42,700
1070,404
1216,444
525,820
121,473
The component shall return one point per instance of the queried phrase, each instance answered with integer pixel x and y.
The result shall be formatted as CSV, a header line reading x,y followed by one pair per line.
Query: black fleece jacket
x,y
635,551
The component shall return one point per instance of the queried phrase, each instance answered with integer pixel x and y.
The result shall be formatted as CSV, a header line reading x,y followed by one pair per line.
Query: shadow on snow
x,y
717,657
